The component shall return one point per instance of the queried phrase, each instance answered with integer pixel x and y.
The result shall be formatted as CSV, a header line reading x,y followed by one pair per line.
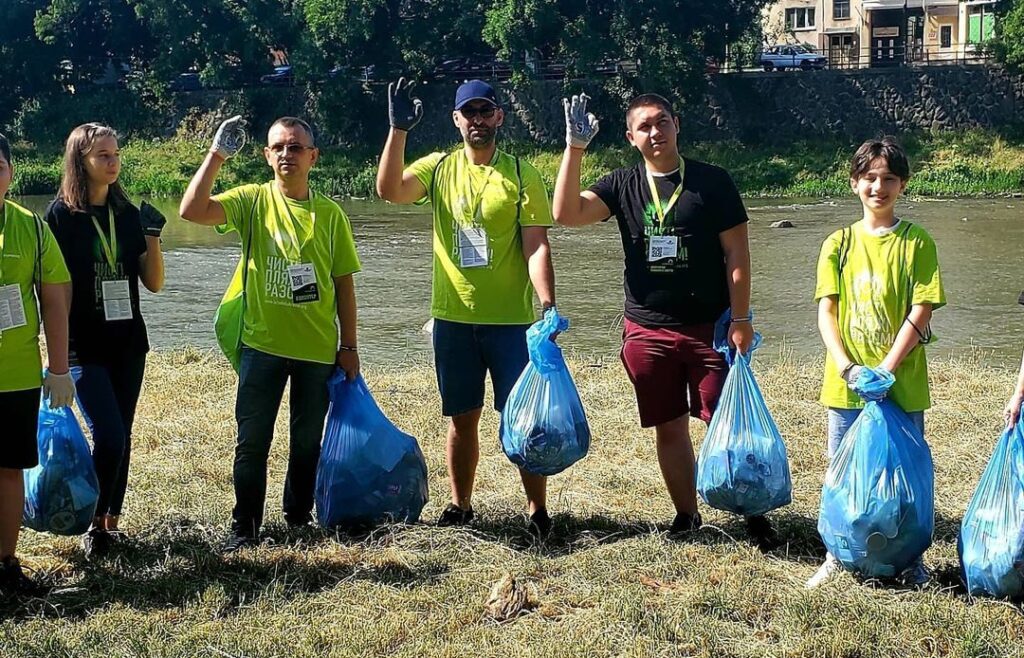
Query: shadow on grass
x,y
569,534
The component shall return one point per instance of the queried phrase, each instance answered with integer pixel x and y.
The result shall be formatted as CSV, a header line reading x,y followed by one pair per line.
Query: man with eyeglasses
x,y
298,292
491,217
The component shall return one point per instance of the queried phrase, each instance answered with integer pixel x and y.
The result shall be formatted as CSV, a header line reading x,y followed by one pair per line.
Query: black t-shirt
x,y
93,338
690,288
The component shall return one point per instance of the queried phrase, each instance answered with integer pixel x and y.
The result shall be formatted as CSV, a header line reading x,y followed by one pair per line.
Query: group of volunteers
x,y
684,238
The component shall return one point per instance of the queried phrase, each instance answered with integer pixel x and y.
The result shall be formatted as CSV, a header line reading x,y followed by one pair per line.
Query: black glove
x,y
151,219
404,111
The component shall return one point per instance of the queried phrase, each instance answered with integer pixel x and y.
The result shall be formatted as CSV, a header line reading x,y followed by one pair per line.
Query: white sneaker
x,y
829,568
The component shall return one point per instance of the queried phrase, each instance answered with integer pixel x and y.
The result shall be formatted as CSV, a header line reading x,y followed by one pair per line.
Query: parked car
x,y
283,76
796,56
188,81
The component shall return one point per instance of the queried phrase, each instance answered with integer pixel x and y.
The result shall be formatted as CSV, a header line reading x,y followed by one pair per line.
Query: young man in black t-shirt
x,y
684,237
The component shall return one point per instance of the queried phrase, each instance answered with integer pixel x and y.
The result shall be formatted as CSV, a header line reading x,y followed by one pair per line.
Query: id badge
x,y
117,300
303,282
473,247
662,246
12,308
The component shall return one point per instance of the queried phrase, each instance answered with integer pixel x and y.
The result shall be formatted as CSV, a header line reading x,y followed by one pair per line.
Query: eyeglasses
x,y
485,112
281,149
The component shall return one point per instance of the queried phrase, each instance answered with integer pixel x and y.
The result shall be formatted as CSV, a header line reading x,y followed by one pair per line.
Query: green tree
x,y
1008,45
27,67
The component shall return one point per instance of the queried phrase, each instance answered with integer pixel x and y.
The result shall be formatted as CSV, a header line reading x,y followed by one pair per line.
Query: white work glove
x,y
580,126
59,389
230,138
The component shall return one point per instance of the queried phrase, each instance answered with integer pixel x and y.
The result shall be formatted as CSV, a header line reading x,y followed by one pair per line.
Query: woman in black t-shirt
x,y
109,246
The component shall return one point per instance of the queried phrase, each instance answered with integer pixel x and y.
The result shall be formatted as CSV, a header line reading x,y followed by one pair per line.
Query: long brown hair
x,y
74,182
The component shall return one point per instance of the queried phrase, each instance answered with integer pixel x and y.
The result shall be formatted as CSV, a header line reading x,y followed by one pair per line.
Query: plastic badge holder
x,y
991,542
543,427
877,504
742,466
370,471
62,491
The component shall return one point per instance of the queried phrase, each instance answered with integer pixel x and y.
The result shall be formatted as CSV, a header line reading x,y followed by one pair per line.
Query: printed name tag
x,y
662,246
12,309
303,282
117,300
472,247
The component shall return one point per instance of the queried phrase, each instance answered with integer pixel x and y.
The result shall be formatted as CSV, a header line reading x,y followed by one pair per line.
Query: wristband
x,y
744,319
847,369
347,348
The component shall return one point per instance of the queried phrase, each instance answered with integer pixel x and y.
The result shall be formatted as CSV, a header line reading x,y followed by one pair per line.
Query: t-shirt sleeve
x,y
346,260
53,266
730,209
423,169
927,283
237,203
827,283
536,208
607,190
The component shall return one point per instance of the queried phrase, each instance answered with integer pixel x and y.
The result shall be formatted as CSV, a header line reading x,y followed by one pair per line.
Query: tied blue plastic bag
x,y
370,471
877,505
991,542
61,492
742,466
543,428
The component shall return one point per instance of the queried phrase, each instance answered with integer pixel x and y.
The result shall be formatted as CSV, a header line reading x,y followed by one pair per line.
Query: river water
x,y
979,244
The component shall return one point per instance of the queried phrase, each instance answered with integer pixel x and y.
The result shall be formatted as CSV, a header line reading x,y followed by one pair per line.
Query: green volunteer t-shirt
x,y
881,278
292,241
28,253
480,274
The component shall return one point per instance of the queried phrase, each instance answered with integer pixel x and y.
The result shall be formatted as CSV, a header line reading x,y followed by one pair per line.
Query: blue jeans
x,y
261,381
840,420
108,395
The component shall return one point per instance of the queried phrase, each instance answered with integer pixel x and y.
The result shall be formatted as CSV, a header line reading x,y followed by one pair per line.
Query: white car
x,y
792,57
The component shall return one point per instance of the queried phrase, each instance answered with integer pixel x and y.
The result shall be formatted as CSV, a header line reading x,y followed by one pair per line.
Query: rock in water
x,y
784,223
509,598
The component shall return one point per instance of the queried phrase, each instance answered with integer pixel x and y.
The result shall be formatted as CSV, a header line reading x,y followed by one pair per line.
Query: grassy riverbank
x,y
973,163
608,583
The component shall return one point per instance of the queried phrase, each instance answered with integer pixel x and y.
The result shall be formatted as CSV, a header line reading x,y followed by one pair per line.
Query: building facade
x,y
862,33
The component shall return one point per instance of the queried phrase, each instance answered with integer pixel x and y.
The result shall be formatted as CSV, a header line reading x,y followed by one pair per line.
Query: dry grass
x,y
608,583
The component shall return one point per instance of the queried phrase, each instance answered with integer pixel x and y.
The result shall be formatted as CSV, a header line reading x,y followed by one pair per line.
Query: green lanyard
x,y
3,240
293,236
664,210
477,216
109,248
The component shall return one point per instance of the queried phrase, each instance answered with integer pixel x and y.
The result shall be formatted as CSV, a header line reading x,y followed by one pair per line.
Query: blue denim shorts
x,y
840,420
465,353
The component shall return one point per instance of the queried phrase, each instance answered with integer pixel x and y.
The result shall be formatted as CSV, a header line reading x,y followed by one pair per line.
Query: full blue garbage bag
x,y
543,428
369,471
991,542
742,466
877,505
61,492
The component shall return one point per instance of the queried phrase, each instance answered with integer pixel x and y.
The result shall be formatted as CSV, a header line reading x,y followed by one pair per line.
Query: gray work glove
x,y
230,138
152,220
404,110
850,376
59,389
580,126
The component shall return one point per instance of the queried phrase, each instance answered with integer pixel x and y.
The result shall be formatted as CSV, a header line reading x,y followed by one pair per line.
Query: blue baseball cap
x,y
475,90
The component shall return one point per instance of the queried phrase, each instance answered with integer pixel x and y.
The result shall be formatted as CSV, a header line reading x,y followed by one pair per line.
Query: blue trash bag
x,y
370,471
742,466
991,544
877,504
543,428
61,492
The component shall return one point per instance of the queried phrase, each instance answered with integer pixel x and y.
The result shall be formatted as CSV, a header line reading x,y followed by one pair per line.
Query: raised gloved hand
x,y
152,220
230,138
580,126
59,389
404,110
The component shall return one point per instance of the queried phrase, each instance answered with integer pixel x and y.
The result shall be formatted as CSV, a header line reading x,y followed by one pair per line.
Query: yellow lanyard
x,y
293,235
109,248
664,210
3,233
477,216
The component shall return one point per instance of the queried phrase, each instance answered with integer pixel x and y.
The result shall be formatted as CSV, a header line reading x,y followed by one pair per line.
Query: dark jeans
x,y
261,381
108,395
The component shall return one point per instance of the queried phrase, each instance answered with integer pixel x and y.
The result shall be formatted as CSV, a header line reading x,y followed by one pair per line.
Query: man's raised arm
x,y
196,204
404,112
569,206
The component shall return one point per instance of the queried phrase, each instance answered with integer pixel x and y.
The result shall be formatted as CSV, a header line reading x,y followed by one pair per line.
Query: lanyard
x,y
664,210
293,237
109,248
477,206
3,238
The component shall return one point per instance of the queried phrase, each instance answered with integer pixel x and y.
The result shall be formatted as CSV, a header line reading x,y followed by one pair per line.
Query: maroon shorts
x,y
675,371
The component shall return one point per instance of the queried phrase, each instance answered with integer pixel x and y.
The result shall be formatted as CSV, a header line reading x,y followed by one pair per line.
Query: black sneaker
x,y
761,531
453,515
540,524
237,542
299,522
14,582
684,524
96,543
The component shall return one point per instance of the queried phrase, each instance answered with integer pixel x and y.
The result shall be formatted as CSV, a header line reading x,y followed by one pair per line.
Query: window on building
x,y
981,24
841,9
800,18
946,36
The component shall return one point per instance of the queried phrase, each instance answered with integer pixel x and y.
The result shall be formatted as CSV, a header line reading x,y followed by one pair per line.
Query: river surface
x,y
979,244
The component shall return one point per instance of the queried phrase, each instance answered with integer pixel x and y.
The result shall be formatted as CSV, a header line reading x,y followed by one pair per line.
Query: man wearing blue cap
x,y
491,217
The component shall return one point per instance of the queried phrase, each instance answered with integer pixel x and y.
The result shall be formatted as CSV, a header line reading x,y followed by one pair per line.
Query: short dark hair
x,y
647,100
886,148
295,122
5,148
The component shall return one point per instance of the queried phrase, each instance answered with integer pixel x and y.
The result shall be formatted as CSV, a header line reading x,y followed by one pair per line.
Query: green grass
x,y
608,583
970,163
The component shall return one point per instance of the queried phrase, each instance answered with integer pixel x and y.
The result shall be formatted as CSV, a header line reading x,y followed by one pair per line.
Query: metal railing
x,y
847,57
